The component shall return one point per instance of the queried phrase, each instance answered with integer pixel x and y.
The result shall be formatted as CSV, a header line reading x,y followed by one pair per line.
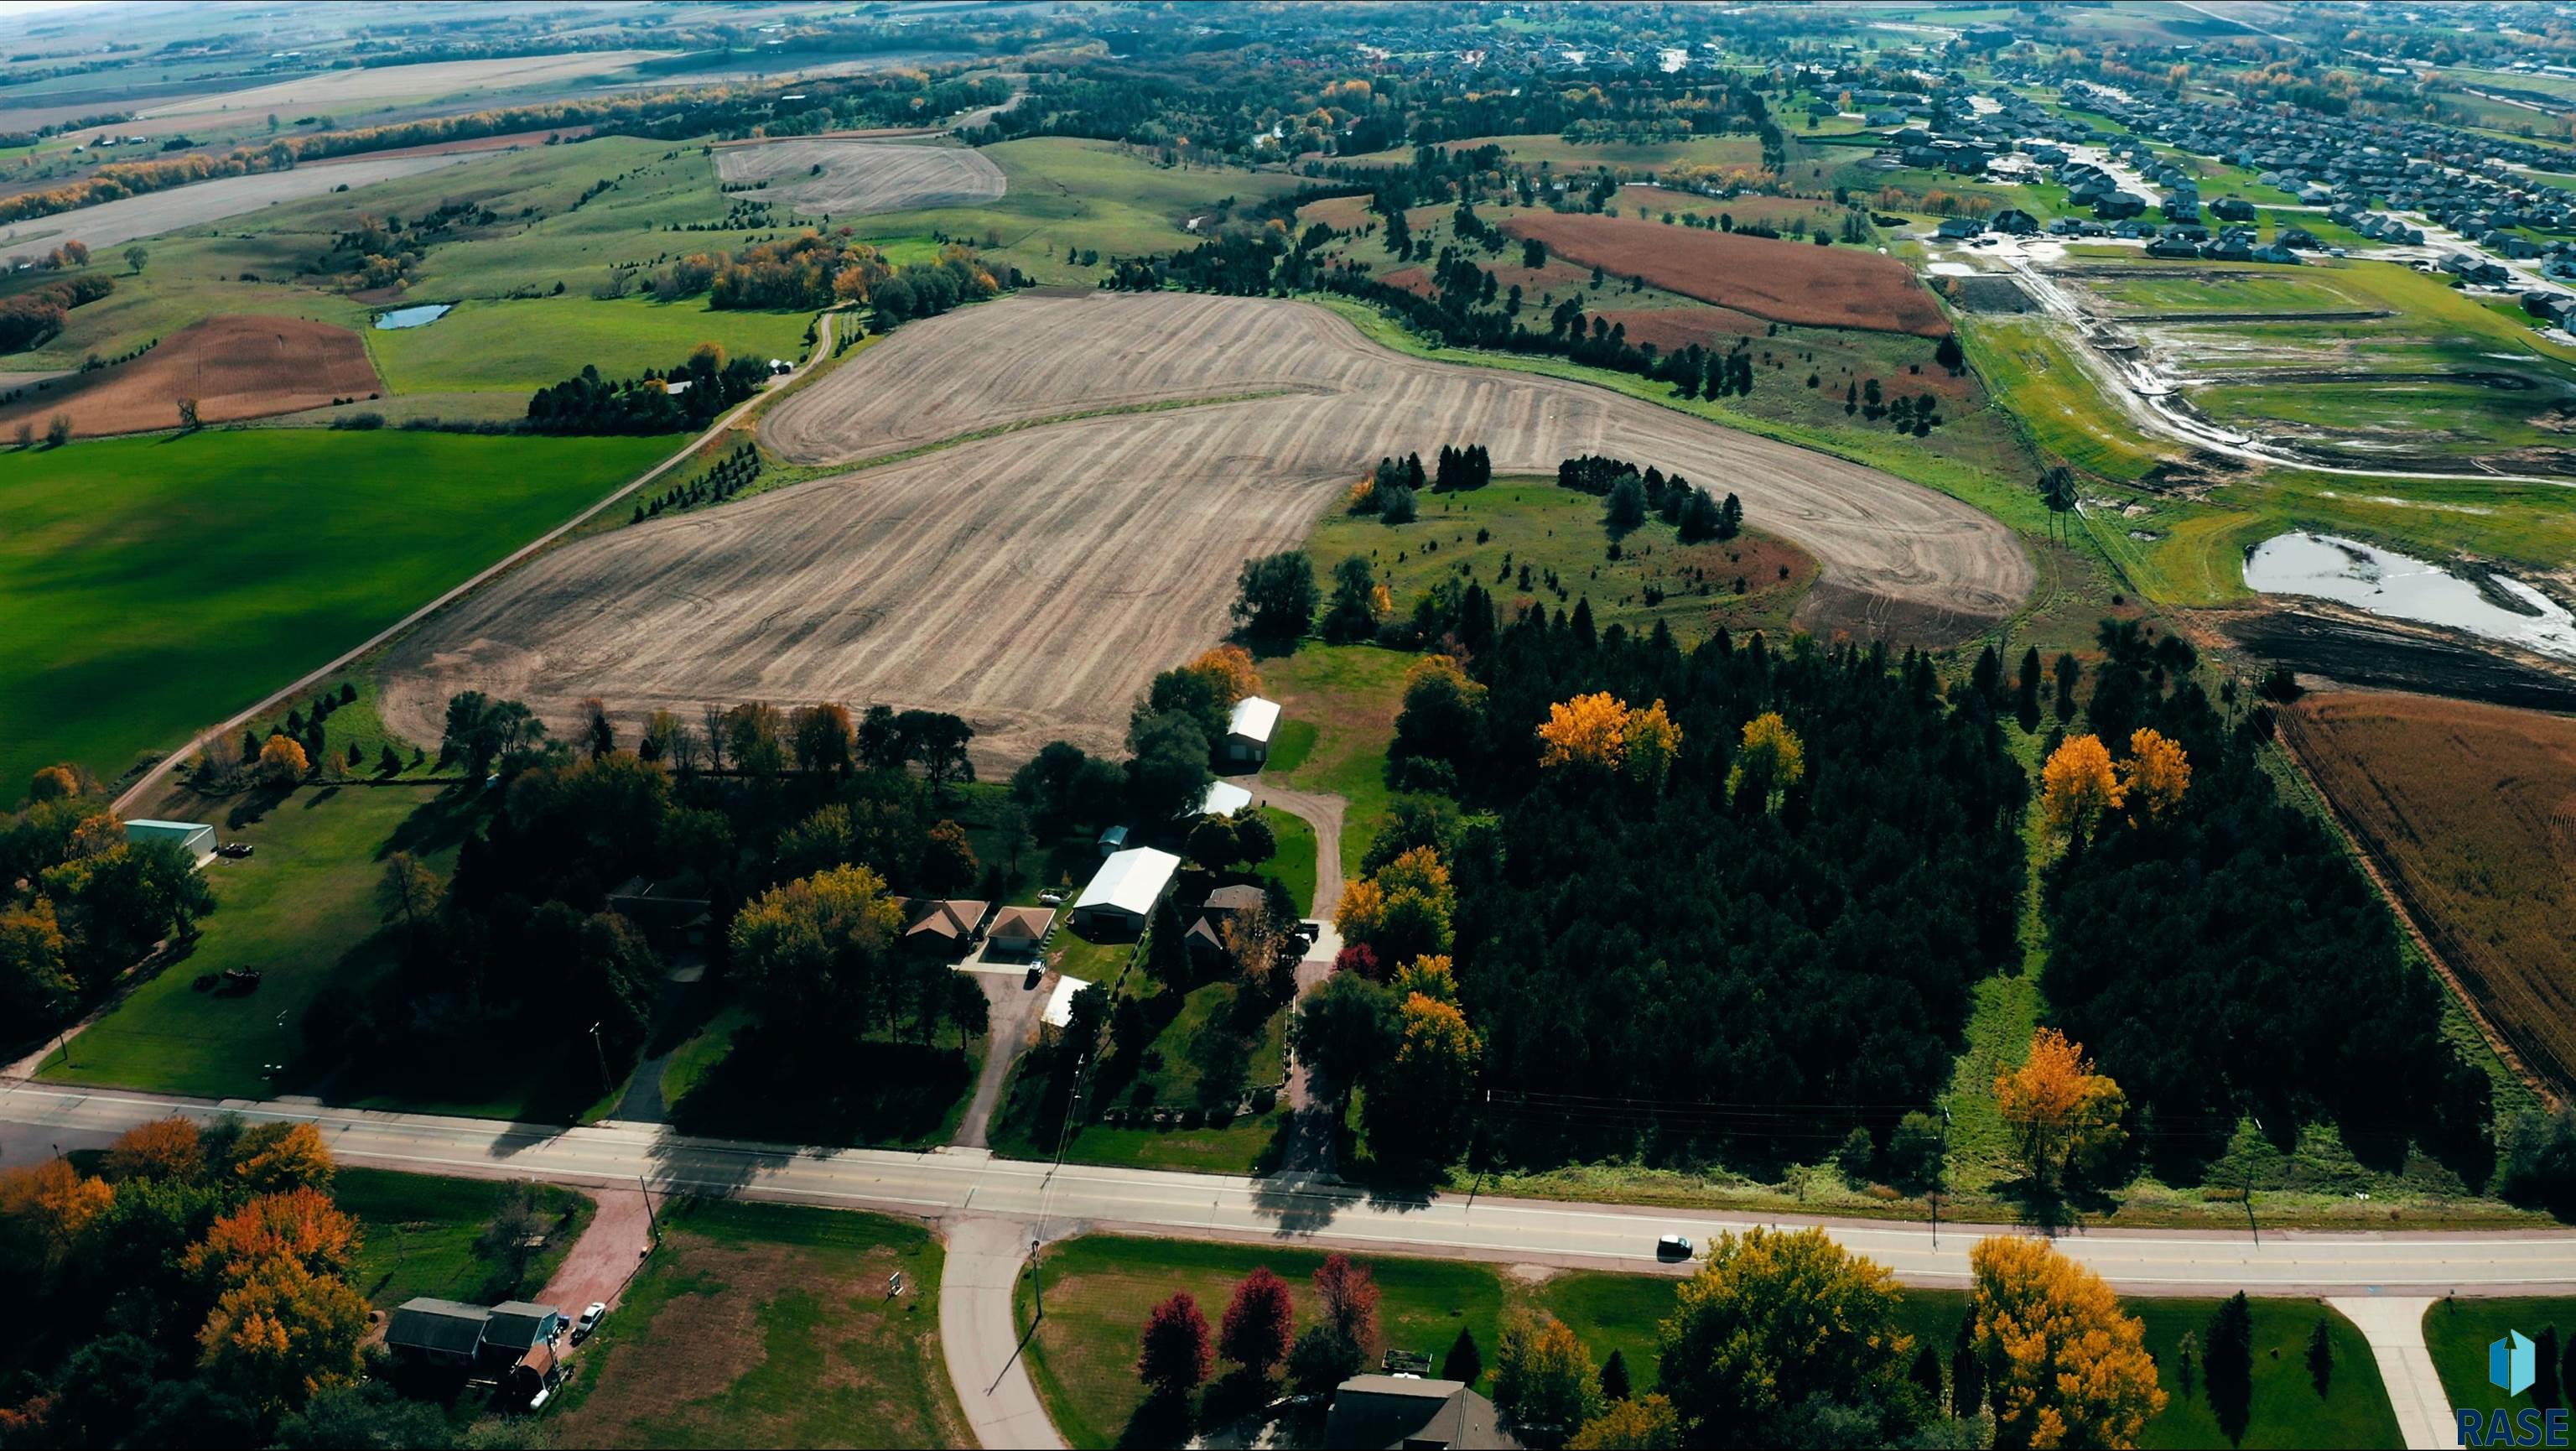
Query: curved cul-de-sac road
x,y
1034,579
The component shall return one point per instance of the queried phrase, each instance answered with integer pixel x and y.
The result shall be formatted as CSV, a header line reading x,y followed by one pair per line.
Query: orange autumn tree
x,y
281,1332
2156,775
1603,732
2065,1366
166,1149
2063,1114
282,762
272,1158
2078,787
301,1224
1402,912
55,1200
1229,668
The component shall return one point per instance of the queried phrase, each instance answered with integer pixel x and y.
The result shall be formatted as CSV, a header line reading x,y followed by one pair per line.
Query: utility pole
x,y
651,1223
1941,1174
2250,1224
66,1047
1063,1135
603,1057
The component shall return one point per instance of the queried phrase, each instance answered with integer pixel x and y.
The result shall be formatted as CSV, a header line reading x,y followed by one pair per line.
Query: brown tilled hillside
x,y
2470,810
1777,278
235,367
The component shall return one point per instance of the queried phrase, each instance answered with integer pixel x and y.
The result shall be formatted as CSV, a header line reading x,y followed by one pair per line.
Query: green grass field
x,y
520,346
1553,531
420,1231
1296,863
1349,694
1087,195
1556,153
1099,1289
2458,1332
1204,1057
301,910
157,585
770,1325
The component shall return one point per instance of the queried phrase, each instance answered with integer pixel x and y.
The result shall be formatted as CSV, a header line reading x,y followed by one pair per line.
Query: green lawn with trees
x,y
457,1239
2457,1331
157,585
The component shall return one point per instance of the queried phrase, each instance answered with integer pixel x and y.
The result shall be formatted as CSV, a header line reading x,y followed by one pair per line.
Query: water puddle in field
x,y
2324,566
421,316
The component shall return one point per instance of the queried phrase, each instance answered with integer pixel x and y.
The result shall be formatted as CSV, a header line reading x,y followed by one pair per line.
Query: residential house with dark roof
x,y
1407,1413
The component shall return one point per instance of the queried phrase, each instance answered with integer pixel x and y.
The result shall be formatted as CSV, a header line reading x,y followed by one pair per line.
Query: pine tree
x,y
2547,1391
1465,1362
1967,1373
2229,1365
1614,1377
2321,1358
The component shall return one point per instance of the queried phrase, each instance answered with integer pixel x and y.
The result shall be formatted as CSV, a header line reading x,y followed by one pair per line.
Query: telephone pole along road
x,y
934,1185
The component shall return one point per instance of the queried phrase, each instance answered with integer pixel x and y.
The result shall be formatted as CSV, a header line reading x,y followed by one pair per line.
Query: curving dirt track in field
x,y
861,177
1032,582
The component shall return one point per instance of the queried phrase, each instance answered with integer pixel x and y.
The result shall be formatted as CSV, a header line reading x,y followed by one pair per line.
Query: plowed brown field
x,y
235,367
861,177
1034,581
1777,278
2470,811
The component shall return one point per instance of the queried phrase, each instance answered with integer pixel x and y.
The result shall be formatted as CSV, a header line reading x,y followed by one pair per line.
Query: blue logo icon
x,y
2510,1363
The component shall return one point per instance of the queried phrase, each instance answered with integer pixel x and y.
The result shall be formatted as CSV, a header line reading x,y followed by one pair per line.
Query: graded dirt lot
x,y
113,224
235,367
480,81
1779,278
2470,811
857,178
1033,581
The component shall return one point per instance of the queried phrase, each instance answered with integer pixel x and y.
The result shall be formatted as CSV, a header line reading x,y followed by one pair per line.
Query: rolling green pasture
x,y
519,346
1558,154
1092,195
159,584
1531,521
771,1325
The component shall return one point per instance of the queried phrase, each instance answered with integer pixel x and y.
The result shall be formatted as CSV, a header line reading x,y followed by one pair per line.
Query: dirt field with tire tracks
x,y
861,177
1033,581
110,225
235,367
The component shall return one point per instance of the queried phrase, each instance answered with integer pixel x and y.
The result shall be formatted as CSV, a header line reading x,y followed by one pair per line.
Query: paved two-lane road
x,y
941,1185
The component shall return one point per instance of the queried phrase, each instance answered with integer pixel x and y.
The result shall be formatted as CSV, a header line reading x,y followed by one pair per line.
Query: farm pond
x,y
421,316
2324,566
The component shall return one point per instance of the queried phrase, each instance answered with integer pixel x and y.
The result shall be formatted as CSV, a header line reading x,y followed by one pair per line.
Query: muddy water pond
x,y
2324,566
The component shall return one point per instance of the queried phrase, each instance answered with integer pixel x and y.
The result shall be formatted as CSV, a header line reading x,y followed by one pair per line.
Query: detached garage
x,y
193,837
1122,894
1247,733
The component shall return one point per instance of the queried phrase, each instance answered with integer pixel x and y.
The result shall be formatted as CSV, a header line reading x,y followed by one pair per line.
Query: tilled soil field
x,y
1034,581
235,367
113,224
1773,277
2471,809
861,177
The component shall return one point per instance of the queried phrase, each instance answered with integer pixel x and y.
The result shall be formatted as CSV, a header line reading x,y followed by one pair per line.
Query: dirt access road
x,y
1033,582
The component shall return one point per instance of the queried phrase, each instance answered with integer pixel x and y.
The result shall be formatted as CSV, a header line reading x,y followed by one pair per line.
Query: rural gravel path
x,y
979,1333
1016,1003
1033,580
611,1249
1312,1145
2395,1330
152,779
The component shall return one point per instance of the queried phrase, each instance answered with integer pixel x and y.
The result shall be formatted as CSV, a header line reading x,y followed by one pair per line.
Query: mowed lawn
x,y
301,910
155,586
2458,1333
770,1325
1337,706
1098,1290
418,1234
520,346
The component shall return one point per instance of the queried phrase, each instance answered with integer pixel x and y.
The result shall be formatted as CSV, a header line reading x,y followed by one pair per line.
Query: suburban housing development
x,y
1443,723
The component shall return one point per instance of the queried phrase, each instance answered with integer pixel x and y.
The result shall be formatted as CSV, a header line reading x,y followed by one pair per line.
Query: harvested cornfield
x,y
235,367
2470,812
1035,580
112,224
1773,277
855,178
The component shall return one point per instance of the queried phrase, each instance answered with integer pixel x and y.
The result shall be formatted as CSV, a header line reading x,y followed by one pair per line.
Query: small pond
x,y
421,316
2373,579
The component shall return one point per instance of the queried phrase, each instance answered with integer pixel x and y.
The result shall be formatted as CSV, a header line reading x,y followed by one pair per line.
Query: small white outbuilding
x,y
1121,895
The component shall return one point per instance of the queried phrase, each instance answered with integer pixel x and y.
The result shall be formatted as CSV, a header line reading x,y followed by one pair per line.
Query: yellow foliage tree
x,y
1589,730
1543,1377
2065,1366
1230,669
2078,787
282,762
1431,977
2063,1114
1653,741
1647,1423
1362,908
282,1332
53,783
2156,775
1770,755
273,1158
166,1148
